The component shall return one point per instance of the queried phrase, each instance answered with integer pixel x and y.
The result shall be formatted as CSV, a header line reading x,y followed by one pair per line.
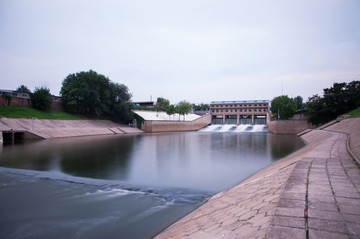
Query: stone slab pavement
x,y
313,193
66,128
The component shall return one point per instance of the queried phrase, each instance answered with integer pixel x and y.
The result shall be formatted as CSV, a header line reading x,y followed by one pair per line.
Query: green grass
x,y
355,112
26,112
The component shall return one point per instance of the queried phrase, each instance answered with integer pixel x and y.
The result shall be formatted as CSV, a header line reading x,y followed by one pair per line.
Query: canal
x,y
124,186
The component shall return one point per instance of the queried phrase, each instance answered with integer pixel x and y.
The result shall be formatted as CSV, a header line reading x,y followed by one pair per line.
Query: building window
x,y
255,110
245,110
230,110
221,110
235,110
249,110
259,110
226,110
265,110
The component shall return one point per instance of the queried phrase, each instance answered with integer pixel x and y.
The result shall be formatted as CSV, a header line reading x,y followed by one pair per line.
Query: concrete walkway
x,y
313,193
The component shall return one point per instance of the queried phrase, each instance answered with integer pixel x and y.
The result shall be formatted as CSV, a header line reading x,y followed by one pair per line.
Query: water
x,y
127,186
235,128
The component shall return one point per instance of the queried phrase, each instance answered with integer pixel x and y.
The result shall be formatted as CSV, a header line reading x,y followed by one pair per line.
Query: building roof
x,y
153,115
240,102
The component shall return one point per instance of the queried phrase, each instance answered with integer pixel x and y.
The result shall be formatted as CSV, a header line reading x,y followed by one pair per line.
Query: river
x,y
124,186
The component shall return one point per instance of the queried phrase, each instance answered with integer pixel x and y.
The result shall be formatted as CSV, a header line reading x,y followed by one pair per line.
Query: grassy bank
x,y
355,113
26,112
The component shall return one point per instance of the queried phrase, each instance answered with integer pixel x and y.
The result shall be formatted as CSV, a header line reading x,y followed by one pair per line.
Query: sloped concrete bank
x,y
313,193
45,129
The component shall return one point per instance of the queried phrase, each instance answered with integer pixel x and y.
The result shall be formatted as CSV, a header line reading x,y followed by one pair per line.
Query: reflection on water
x,y
202,161
127,186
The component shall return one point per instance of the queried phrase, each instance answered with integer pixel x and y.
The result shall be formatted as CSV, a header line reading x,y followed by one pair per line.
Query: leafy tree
x,y
299,103
339,99
41,99
283,107
94,95
23,89
183,108
316,110
161,104
201,106
170,110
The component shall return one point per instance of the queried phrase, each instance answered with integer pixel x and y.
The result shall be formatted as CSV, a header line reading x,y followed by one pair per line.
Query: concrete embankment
x,y
40,128
313,193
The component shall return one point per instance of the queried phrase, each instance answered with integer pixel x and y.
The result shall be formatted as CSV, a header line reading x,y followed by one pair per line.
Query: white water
x,y
235,128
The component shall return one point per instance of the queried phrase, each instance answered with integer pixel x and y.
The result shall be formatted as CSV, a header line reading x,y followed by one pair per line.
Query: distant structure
x,y
14,98
239,112
144,103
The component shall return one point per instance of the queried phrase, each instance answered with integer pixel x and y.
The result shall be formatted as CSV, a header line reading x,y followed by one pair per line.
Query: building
x,y
144,103
239,112
14,98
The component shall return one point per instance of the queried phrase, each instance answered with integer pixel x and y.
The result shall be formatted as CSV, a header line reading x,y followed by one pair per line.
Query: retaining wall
x,y
152,126
288,126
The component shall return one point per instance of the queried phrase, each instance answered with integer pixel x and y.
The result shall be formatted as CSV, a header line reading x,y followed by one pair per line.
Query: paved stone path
x,y
313,193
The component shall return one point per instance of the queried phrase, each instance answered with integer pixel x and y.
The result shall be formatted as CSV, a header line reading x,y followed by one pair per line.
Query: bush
x,y
41,99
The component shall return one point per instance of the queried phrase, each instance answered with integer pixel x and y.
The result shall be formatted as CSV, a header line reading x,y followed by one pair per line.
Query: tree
x,y
299,103
170,110
23,89
316,110
183,108
94,95
283,107
201,106
41,99
339,99
161,104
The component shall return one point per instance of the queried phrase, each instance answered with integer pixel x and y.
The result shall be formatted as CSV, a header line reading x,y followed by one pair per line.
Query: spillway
x,y
235,128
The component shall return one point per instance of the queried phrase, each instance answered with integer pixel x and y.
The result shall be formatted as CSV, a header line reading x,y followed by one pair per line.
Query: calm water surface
x,y
127,186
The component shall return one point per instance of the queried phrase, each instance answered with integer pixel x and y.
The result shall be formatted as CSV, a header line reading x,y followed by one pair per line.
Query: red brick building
x,y
239,112
13,98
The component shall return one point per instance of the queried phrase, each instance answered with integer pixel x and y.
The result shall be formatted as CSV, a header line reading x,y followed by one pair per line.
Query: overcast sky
x,y
196,50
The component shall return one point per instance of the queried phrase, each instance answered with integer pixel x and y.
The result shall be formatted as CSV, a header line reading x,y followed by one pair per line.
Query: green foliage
x,y
337,100
23,89
201,106
41,99
161,104
283,107
170,110
143,108
94,95
26,112
299,103
183,108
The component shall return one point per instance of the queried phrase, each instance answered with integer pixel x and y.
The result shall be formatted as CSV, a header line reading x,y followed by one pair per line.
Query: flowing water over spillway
x,y
125,186
235,128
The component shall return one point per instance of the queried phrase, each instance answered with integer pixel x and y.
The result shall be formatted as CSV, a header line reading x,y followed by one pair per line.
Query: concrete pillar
x,y
252,119
237,119
223,119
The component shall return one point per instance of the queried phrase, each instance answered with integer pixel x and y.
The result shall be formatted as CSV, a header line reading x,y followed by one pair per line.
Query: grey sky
x,y
197,50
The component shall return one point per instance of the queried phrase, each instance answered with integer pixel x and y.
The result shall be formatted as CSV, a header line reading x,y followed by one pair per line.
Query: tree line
x,y
336,100
96,96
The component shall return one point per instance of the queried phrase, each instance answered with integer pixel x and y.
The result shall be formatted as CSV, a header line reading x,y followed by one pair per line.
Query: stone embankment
x,y
313,193
40,128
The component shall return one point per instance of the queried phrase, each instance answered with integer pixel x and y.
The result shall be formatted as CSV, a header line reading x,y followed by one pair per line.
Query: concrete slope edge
x,y
273,202
45,129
